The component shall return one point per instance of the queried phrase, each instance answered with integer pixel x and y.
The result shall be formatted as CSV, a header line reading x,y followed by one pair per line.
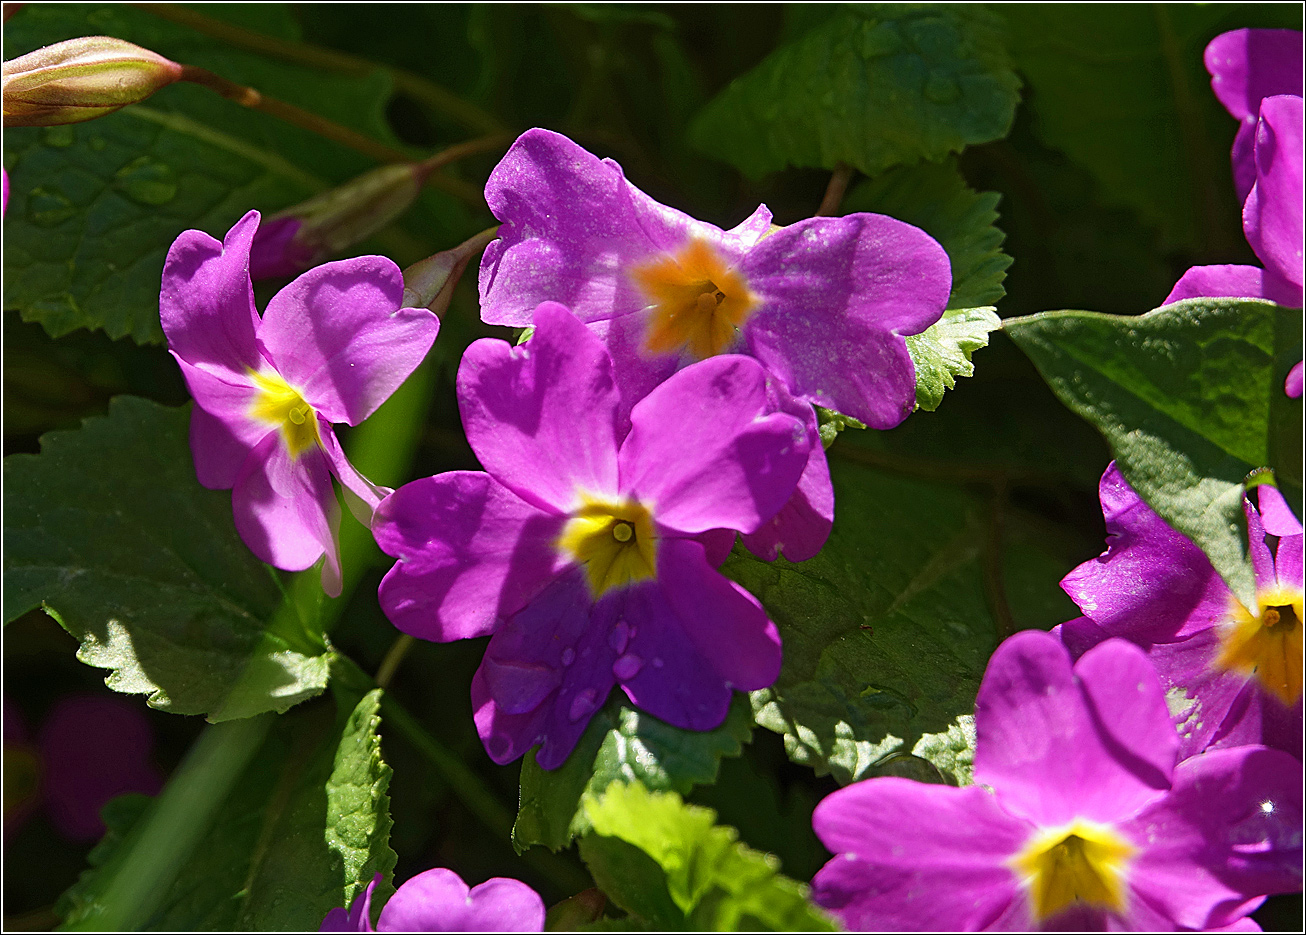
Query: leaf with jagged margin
x,y
95,206
1190,398
303,831
358,804
672,867
888,630
951,751
109,530
624,744
874,86
942,352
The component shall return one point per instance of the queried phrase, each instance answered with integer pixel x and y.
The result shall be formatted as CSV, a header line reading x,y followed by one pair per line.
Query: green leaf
x,y
670,865
303,831
942,352
1121,90
95,206
110,531
358,806
1190,399
888,630
934,197
951,751
621,744
873,86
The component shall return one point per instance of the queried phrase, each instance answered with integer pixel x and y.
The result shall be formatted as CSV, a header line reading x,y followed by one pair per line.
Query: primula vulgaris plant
x,y
1083,816
577,549
654,509
1233,674
331,347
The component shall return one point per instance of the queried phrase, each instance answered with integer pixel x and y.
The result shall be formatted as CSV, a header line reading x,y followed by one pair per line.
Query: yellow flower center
x,y
1268,644
279,404
1080,864
699,303
614,541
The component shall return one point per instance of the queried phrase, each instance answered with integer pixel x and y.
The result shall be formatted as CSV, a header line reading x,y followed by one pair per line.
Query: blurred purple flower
x,y
1247,66
1232,675
439,901
90,749
331,347
578,550
1086,822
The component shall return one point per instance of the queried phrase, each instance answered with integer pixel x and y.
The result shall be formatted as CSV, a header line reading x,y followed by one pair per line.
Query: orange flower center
x,y
698,302
1267,644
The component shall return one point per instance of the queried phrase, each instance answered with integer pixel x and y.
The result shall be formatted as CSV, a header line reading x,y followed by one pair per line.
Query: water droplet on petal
x,y
47,207
146,181
583,704
627,667
518,687
568,656
619,637
59,136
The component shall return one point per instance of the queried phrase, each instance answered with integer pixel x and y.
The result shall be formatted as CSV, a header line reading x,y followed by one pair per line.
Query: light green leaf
x,y
1190,399
109,530
874,86
95,206
888,630
358,806
627,745
934,197
942,352
303,831
952,751
670,865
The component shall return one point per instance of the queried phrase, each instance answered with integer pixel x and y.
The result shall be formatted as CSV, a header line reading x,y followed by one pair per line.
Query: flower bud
x,y
430,283
300,237
81,79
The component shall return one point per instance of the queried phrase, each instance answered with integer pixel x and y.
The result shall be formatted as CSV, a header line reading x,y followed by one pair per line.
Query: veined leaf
x,y
109,530
1190,399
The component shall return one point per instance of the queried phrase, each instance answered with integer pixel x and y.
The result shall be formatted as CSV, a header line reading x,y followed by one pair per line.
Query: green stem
x,y
134,883
395,655
257,100
424,90
835,190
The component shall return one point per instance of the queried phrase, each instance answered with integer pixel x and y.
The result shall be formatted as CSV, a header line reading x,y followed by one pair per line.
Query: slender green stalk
x,y
835,190
395,655
424,90
132,885
257,100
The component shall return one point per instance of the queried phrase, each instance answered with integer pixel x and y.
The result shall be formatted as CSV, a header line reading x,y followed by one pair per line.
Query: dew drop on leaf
x,y
146,181
47,207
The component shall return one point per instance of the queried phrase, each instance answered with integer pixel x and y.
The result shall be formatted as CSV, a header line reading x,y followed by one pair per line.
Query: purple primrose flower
x,y
578,550
824,303
1232,674
439,901
331,347
1257,75
1081,818
1246,67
